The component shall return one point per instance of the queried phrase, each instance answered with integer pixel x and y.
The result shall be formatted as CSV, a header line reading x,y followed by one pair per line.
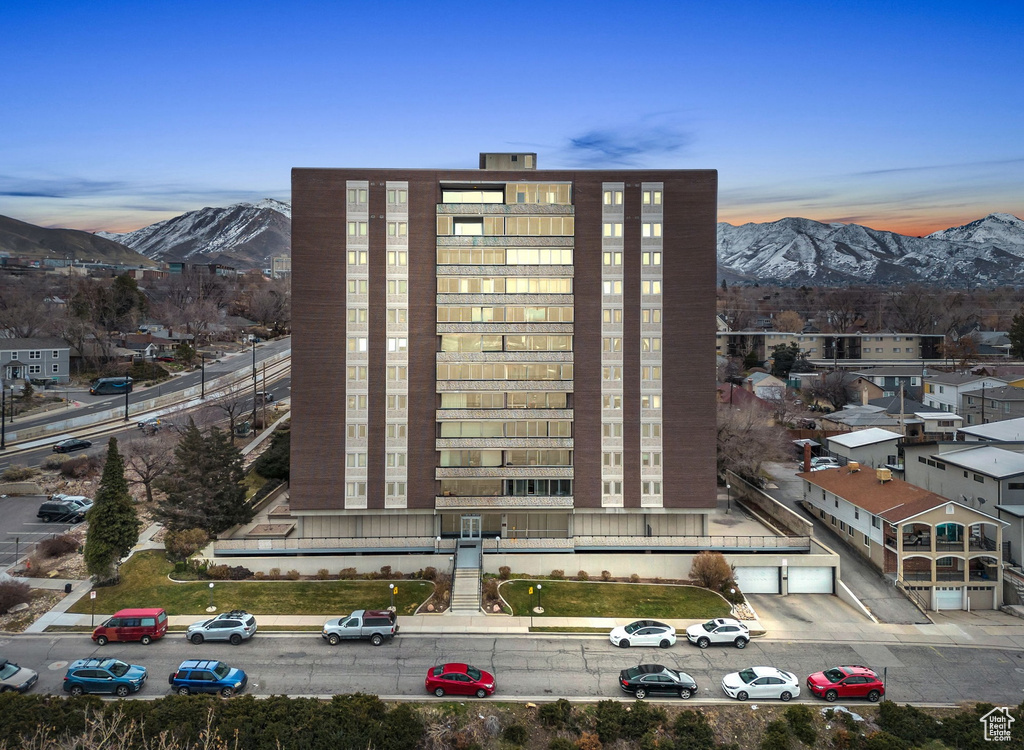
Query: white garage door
x,y
810,580
948,598
758,580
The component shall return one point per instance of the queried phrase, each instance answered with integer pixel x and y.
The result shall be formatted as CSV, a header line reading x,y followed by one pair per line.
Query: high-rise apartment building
x,y
506,352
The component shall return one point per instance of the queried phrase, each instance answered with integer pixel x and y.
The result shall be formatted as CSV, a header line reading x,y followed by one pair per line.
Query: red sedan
x,y
846,682
459,679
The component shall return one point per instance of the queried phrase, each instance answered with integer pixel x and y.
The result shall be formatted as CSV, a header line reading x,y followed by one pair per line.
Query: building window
x,y
612,229
357,315
396,489
867,541
35,354
356,373
651,259
650,430
613,287
612,429
650,315
357,431
650,229
613,259
650,287
979,479
357,344
398,258
650,488
650,459
54,369
357,286
613,459
612,344
35,369
357,401
355,489
398,344
355,460
395,459
611,373
650,344
56,354
613,488
398,197
398,402
650,401
876,522
613,197
612,315
651,197
357,229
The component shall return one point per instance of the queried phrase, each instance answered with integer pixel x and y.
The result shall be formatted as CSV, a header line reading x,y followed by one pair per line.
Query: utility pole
x,y
3,420
253,341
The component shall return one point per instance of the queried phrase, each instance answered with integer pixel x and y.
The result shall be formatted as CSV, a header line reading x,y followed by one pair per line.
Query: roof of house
x,y
893,500
43,342
933,415
892,404
1005,393
956,378
729,393
1007,429
862,416
990,460
1013,510
860,438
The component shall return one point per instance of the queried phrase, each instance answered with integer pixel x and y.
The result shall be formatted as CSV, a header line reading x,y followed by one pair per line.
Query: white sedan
x,y
761,682
643,633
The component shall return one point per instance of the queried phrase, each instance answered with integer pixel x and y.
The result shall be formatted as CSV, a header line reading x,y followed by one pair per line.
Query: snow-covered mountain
x,y
245,235
989,251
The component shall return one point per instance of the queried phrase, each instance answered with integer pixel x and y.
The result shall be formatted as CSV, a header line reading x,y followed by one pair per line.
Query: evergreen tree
x,y
113,523
275,463
1016,335
204,484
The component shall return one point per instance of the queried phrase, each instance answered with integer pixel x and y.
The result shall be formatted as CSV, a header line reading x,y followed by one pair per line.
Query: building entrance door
x,y
470,527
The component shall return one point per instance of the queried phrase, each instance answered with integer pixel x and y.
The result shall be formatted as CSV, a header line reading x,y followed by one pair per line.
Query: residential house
x,y
766,387
890,379
872,447
944,390
944,553
44,359
835,350
993,404
858,417
936,425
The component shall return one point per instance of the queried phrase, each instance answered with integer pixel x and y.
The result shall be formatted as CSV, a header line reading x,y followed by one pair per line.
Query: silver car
x,y
13,677
234,627
721,630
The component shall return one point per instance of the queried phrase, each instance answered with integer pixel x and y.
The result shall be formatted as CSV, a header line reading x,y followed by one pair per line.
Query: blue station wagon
x,y
104,676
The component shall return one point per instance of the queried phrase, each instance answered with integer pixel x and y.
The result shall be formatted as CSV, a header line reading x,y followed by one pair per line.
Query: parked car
x,y
235,626
761,682
143,625
104,676
61,510
643,633
846,682
81,501
149,424
71,444
205,676
654,679
264,397
459,679
717,631
375,626
824,461
13,677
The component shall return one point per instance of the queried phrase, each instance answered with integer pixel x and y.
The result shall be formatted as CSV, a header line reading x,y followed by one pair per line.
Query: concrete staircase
x,y
466,587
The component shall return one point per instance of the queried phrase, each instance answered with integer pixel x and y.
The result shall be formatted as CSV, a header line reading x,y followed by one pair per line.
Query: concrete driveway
x,y
883,599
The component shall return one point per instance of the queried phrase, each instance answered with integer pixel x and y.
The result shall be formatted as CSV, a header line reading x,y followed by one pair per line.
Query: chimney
x,y
864,396
807,456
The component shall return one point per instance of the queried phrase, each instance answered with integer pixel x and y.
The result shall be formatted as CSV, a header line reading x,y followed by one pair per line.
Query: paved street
x,y
532,667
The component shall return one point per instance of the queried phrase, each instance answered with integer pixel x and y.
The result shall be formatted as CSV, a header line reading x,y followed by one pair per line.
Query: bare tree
x,y
788,321
23,309
269,305
831,388
148,458
914,309
232,405
843,308
747,440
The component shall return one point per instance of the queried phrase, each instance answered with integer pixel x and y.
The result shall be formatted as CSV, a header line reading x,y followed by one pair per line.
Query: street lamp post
x,y
211,607
539,587
3,416
254,384
126,394
391,587
497,544
728,498
202,365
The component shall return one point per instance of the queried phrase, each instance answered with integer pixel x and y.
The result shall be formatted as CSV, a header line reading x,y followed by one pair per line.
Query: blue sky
x,y
899,115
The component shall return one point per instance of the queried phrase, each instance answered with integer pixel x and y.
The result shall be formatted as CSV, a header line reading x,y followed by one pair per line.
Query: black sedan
x,y
654,679
71,444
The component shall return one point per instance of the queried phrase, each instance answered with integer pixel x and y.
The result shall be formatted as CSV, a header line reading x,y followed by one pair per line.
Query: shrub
x,y
516,734
732,594
17,473
181,545
801,723
274,574
711,570
693,732
323,574
656,740
385,571
347,574
294,575
561,743
13,593
504,572
776,736
80,467
57,546
557,715
429,573
558,575
608,716
260,575
582,576
641,719
490,589
52,462
634,578
589,741
218,572
906,722
606,575
239,573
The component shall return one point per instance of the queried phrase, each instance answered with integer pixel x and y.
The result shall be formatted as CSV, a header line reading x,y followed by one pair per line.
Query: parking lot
x,y
20,529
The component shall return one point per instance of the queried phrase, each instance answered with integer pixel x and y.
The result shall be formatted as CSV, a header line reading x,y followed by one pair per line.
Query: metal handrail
x,y
914,597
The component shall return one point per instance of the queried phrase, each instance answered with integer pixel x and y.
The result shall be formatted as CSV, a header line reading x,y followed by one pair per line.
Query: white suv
x,y
235,627
720,630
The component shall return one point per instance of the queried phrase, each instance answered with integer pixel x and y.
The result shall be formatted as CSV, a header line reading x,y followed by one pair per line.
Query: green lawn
x,y
144,583
578,599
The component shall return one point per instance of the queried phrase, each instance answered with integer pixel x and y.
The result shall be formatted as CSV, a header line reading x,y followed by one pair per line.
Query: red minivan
x,y
132,625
